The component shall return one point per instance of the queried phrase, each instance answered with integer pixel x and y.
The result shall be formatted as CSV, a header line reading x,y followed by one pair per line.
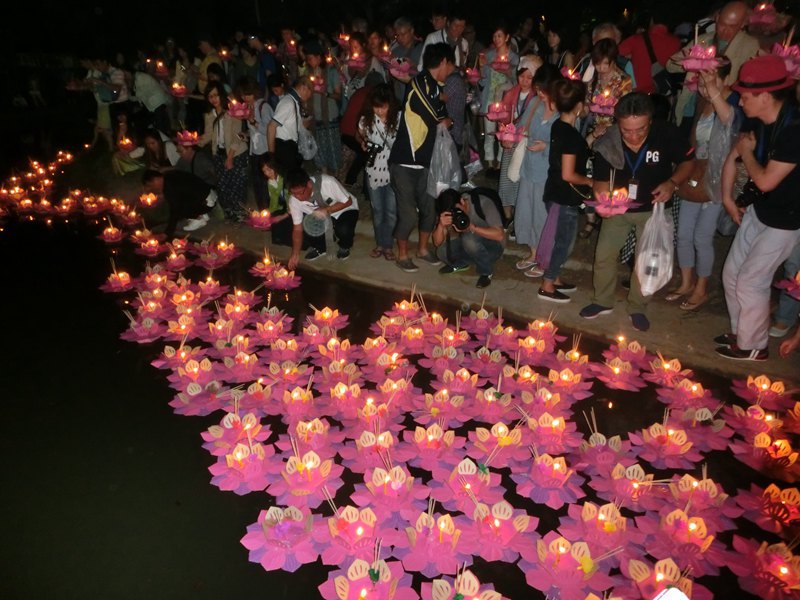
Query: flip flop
x,y
525,264
672,296
686,305
376,253
389,255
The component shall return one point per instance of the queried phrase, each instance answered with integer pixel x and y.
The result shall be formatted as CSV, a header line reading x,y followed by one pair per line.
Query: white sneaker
x,y
194,224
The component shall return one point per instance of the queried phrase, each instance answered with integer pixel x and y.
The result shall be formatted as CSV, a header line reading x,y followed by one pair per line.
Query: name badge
x,y
633,189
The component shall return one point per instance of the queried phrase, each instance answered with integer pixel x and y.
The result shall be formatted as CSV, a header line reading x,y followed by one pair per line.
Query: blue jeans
x,y
697,223
566,231
788,307
470,248
384,215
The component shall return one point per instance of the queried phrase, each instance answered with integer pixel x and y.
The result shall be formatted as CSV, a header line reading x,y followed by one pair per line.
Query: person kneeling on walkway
x,y
317,199
187,196
469,230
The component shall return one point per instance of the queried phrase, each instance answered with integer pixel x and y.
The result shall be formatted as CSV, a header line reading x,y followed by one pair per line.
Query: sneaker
x,y
200,222
736,353
554,296
430,259
534,272
595,310
726,339
343,253
314,254
484,281
448,269
778,330
566,288
640,322
407,265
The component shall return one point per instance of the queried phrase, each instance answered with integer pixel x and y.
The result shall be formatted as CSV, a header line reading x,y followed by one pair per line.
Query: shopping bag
x,y
445,170
655,252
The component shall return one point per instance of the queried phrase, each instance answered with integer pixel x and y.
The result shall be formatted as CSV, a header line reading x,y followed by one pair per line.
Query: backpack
x,y
492,194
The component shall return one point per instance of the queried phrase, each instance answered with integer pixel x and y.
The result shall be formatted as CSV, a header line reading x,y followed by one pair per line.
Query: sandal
x,y
588,229
376,253
389,255
686,305
525,263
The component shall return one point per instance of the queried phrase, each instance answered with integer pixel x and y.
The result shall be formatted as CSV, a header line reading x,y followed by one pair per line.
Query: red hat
x,y
763,74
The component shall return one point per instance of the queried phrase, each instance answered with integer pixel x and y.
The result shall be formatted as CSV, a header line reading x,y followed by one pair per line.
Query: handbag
x,y
306,144
515,164
694,188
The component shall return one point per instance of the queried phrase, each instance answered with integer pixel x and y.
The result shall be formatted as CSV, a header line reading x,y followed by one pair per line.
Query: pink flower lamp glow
x,y
379,580
498,111
433,447
549,481
349,534
466,486
281,539
767,571
650,581
700,58
615,203
603,104
433,546
498,532
770,395
393,493
773,509
630,486
303,479
244,469
465,587
665,447
620,374
221,439
666,373
603,528
773,456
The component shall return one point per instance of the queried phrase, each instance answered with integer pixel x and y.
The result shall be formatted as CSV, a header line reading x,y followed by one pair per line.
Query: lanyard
x,y
639,159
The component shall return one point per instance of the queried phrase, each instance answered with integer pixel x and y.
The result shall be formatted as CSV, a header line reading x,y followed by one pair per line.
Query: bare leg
x,y
424,236
402,249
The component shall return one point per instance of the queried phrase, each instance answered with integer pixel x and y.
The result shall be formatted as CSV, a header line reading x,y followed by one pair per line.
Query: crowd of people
x,y
291,124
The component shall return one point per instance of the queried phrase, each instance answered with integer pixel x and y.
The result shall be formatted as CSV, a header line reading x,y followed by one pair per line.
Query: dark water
x,y
106,492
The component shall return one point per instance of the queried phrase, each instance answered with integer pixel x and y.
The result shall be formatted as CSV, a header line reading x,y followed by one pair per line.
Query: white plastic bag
x,y
445,169
655,253
515,164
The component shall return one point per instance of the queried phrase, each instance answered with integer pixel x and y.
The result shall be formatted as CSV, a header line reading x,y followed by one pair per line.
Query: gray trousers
x,y
756,253
414,204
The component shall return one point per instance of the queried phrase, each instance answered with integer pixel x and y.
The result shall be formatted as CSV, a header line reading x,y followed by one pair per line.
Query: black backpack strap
x,y
649,43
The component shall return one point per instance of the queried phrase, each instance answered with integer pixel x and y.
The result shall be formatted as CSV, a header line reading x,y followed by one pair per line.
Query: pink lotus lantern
x,y
630,486
549,481
282,279
432,546
609,205
649,582
172,358
349,534
281,539
767,571
687,394
763,17
260,220
238,110
148,200
771,395
370,451
465,586
566,569
142,331
569,384
211,287
791,58
700,58
501,64
466,486
772,509
619,374
603,104
631,351
502,338
126,145
568,73
363,581
554,435
498,531
244,469
319,84
497,446
344,41
600,454
392,493
473,75
433,447
303,479
187,138
665,447
400,68
770,455
118,281
357,61
498,111
602,527
510,133
520,380
111,235
177,261
706,498
433,324
486,362
666,373
178,90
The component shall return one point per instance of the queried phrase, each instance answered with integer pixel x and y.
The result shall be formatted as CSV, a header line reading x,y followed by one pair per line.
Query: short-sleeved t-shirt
x,y
287,116
491,215
663,148
565,139
779,208
330,190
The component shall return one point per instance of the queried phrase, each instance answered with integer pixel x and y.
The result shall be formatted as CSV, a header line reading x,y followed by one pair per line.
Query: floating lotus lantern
x,y
773,509
630,486
706,499
260,219
502,338
498,112
349,534
211,287
465,586
569,384
142,331
433,447
666,373
282,279
767,571
111,235
649,581
704,429
615,203
566,568
760,390
486,362
630,351
172,358
466,486
281,539
549,481
443,405
602,527
433,324
392,492
303,479
498,531
773,456
603,103
619,374
497,446
461,382
151,247
148,200
118,281
664,447
687,394
751,421
199,400
521,379
370,451
243,469
491,404
432,545
553,434
364,581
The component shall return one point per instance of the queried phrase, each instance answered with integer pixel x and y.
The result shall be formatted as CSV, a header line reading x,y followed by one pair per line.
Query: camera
x,y
372,153
460,219
750,194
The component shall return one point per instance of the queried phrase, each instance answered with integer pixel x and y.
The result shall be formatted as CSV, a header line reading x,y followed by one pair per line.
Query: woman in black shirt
x,y
567,184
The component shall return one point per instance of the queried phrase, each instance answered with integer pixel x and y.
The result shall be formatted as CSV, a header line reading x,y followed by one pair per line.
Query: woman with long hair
x,y
377,129
224,134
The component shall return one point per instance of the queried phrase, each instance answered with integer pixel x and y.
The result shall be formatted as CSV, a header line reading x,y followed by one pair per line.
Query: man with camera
x,y
768,210
469,231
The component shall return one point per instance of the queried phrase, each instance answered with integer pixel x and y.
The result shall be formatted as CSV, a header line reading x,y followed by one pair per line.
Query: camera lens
x,y
460,219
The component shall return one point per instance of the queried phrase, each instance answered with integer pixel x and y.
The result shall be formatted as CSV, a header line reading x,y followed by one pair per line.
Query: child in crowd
x,y
274,201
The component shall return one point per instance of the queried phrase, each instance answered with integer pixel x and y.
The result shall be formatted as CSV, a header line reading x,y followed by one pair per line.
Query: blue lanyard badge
x,y
635,167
